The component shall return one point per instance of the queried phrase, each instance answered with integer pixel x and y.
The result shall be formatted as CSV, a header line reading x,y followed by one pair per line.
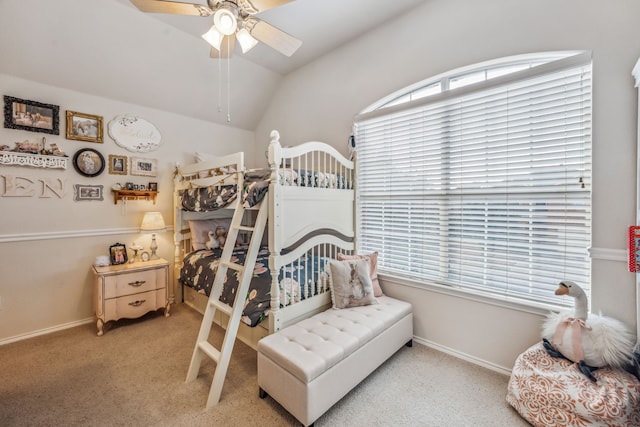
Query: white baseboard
x,y
47,331
464,356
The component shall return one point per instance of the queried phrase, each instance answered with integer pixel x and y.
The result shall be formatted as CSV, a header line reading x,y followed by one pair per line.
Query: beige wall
x,y
320,100
46,282
48,244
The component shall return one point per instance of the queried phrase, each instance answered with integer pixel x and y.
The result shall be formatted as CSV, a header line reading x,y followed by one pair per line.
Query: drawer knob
x,y
137,303
137,283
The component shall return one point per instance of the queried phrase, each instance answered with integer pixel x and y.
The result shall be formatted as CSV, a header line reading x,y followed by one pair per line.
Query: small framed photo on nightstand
x,y
144,256
118,253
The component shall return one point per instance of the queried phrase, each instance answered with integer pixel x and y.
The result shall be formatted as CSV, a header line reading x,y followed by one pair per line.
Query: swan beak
x,y
563,289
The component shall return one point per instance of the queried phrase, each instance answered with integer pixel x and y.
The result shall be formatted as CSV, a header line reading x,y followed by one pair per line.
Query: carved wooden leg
x,y
100,325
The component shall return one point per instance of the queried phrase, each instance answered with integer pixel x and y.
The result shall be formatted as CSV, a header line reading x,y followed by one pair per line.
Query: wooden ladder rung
x,y
218,305
232,265
210,350
245,228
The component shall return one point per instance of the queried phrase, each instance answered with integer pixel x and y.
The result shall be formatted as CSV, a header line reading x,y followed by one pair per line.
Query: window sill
x,y
539,309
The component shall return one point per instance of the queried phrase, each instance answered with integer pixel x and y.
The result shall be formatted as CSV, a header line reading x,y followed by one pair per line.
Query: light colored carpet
x,y
134,375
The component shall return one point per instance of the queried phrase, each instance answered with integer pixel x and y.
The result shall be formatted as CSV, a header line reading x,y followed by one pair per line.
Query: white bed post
x,y
177,235
275,153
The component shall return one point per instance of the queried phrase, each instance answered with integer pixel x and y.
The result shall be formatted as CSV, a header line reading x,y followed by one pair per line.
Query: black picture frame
x,y
33,116
88,162
118,253
153,186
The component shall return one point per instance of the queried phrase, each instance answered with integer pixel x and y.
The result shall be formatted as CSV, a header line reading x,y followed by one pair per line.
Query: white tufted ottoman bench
x,y
309,366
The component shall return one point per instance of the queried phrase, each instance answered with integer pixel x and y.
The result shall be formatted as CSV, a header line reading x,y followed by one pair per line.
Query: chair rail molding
x,y
609,254
68,234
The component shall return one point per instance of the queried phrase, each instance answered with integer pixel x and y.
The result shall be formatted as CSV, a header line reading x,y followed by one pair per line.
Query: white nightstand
x,y
130,290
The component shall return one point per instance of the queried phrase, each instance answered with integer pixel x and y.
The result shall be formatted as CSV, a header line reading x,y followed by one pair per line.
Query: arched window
x,y
480,179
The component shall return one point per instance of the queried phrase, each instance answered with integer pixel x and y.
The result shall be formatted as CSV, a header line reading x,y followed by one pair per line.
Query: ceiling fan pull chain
x,y
219,87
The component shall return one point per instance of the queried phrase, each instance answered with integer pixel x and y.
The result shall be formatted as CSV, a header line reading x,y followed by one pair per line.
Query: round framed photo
x,y
88,162
144,256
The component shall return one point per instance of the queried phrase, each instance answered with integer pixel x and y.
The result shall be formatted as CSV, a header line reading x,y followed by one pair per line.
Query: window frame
x,y
388,106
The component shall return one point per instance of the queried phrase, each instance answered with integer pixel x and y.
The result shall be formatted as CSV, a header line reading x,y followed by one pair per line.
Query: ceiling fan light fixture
x,y
246,40
225,21
213,37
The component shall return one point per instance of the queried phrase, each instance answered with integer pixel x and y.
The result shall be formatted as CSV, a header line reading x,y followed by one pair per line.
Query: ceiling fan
x,y
232,19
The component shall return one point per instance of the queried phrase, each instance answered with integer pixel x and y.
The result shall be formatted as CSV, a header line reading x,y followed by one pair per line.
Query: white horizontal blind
x,y
488,190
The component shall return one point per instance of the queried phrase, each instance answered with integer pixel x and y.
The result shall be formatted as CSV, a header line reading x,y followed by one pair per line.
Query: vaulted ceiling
x,y
111,49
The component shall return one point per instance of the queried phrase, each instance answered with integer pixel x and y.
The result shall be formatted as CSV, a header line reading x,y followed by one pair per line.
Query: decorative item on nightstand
x,y
153,221
135,248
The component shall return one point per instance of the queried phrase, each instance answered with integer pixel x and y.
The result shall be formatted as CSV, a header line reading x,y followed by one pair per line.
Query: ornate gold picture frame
x,y
84,127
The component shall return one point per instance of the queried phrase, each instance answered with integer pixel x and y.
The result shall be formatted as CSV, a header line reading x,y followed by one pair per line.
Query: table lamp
x,y
153,221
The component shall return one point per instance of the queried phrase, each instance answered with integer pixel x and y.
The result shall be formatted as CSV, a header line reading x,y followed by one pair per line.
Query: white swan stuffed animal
x,y
591,341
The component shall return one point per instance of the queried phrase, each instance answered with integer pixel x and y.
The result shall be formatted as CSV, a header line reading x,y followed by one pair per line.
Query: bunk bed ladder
x,y
203,347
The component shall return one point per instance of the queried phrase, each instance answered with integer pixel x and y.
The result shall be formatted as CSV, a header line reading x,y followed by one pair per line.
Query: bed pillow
x,y
350,283
373,260
200,230
205,157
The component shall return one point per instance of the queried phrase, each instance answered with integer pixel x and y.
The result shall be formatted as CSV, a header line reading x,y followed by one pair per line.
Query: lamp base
x,y
154,247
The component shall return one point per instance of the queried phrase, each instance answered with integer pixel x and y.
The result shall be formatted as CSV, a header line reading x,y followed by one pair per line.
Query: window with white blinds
x,y
485,187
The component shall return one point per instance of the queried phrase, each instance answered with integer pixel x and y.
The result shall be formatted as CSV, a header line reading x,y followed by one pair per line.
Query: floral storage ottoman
x,y
549,392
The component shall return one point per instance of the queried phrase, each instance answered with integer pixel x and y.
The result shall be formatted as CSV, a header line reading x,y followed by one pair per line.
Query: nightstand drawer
x,y
133,306
132,283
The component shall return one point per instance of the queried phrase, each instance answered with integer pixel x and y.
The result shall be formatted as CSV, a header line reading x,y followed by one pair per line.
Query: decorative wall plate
x,y
134,133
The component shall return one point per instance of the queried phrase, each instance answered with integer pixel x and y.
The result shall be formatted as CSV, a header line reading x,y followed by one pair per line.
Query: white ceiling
x,y
321,25
111,49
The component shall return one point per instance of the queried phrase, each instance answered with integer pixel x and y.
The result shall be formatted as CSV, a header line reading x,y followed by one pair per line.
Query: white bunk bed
x,y
310,217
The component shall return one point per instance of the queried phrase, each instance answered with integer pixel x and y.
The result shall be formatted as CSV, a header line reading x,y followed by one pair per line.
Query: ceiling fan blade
x,y
272,36
255,6
179,8
226,48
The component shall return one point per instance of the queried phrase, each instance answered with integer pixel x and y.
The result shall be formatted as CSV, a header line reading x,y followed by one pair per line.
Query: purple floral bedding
x,y
203,199
199,269
256,185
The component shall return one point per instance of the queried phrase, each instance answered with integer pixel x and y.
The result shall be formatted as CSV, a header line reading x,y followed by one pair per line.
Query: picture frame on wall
x,y
83,192
118,253
33,116
117,165
88,162
84,127
144,167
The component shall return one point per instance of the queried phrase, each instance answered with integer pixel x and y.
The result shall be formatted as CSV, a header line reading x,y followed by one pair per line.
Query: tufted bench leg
x,y
261,393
